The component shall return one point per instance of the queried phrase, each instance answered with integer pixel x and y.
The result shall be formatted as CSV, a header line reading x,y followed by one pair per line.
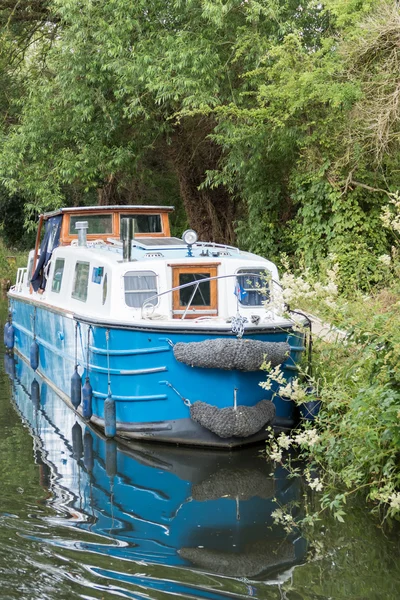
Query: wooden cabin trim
x,y
66,237
164,225
177,307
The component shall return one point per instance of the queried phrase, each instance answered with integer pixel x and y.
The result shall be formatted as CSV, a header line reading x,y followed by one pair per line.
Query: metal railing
x,y
20,278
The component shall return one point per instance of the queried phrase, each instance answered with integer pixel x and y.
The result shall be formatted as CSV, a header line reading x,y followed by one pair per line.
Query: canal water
x,y
83,517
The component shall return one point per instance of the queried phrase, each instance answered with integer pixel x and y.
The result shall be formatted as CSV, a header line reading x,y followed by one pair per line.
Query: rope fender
x,y
231,354
250,562
241,421
242,483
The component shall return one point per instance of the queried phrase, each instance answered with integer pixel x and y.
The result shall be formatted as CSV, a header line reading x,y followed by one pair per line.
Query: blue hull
x,y
158,505
137,365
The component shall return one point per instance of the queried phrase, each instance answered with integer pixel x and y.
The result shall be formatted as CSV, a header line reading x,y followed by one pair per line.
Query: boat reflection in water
x,y
205,511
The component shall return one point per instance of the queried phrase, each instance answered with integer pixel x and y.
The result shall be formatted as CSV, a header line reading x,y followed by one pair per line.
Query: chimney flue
x,y
82,227
127,235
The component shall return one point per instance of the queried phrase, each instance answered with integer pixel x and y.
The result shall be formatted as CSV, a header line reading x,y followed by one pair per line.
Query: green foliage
x,y
354,443
12,222
360,391
10,260
285,109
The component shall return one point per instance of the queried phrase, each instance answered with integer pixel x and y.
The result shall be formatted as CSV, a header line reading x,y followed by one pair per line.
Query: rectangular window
x,y
145,223
140,286
97,224
81,280
252,287
199,295
57,275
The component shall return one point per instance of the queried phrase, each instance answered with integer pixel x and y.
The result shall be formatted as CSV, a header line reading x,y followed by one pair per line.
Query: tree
x,y
248,107
125,80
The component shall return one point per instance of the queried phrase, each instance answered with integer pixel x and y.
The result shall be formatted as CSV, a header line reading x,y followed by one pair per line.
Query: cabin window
x,y
81,280
252,287
105,283
145,223
199,294
58,275
97,224
139,287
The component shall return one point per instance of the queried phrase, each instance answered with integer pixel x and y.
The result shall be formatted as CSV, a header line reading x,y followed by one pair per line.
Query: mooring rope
x,y
88,351
76,345
108,362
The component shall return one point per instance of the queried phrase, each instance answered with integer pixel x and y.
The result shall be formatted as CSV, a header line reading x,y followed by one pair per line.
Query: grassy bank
x,y
10,261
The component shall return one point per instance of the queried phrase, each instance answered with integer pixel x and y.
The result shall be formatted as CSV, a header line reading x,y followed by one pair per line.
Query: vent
x,y
153,255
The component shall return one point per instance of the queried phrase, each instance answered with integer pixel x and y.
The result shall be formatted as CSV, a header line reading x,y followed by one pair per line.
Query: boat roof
x,y
115,207
170,249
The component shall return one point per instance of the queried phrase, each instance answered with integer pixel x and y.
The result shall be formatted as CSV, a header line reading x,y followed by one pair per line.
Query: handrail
x,y
147,303
215,245
20,278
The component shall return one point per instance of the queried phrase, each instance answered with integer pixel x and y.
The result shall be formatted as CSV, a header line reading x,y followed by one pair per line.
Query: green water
x,y
83,518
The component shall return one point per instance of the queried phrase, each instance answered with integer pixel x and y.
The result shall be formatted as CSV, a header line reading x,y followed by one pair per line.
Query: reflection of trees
x,y
351,561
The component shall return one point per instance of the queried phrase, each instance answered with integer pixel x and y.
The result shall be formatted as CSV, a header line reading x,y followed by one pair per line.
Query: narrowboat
x,y
150,336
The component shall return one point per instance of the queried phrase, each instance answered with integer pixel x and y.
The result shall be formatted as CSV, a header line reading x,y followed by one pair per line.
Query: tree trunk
x,y
108,194
211,212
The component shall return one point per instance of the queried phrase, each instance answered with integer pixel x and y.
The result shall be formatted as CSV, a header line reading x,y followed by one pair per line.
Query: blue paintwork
x,y
156,504
147,383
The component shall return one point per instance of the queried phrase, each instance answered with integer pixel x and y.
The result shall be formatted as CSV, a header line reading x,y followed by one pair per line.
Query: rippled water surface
x,y
82,517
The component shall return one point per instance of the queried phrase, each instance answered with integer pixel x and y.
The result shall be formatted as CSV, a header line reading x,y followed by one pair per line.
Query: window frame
x,y
135,217
60,259
73,219
142,273
74,293
194,311
253,271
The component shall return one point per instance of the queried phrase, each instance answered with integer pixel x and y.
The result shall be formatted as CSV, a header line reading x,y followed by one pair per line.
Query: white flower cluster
x,y
274,375
385,259
284,441
391,213
294,390
314,483
308,437
275,447
389,496
283,518
275,454
299,288
394,500
289,390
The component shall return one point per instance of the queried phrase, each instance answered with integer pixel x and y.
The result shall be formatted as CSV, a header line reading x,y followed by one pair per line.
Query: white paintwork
x,y
115,310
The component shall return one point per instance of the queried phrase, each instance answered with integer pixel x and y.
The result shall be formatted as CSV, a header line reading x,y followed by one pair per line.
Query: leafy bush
x,y
355,442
